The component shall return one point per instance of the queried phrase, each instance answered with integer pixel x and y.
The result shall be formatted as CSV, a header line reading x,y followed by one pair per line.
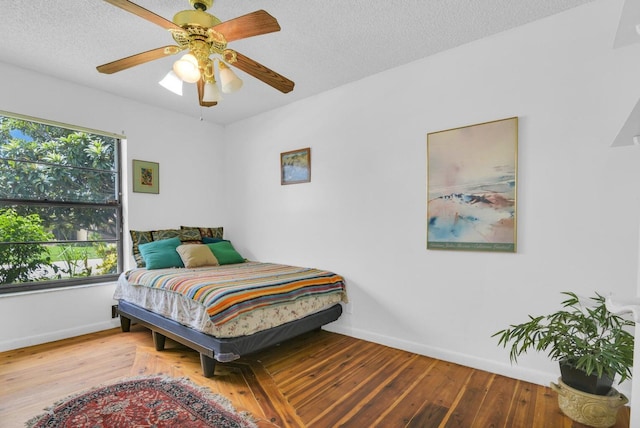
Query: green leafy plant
x,y
109,256
76,260
75,176
588,338
21,262
51,163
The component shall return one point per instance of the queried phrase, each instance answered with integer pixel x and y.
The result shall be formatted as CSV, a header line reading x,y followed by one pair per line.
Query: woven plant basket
x,y
598,411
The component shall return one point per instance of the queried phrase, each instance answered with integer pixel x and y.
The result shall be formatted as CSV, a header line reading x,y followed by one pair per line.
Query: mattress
x,y
232,300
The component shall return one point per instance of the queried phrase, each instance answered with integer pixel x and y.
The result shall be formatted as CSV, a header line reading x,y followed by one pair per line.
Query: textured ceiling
x,y
322,45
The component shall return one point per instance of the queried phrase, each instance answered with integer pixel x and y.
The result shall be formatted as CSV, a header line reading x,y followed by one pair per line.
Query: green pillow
x,y
225,253
161,254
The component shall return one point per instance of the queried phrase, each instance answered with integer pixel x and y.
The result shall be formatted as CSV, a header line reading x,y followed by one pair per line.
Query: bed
x,y
225,312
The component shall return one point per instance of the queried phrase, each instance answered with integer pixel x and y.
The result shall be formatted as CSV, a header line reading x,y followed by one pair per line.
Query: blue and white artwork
x,y
296,166
471,187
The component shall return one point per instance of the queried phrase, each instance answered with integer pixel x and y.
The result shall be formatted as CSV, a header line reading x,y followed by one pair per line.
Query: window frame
x,y
117,205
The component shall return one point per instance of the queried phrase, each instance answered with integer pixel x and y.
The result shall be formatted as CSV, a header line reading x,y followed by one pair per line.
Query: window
x,y
60,205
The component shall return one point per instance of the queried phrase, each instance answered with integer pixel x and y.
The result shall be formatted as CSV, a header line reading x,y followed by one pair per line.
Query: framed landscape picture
x,y
146,177
295,166
471,187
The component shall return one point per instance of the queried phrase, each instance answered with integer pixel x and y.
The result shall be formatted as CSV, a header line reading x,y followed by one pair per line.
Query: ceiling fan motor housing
x,y
196,18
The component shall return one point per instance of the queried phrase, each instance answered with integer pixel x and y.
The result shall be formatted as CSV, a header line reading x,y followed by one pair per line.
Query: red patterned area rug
x,y
156,401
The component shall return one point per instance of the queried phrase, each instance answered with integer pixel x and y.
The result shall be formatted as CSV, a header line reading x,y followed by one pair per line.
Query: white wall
x,y
190,156
363,214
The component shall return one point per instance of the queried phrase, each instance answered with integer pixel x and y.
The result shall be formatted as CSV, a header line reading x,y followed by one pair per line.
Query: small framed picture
x,y
295,166
146,177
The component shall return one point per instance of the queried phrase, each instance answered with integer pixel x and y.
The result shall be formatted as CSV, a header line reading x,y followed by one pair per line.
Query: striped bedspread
x,y
231,290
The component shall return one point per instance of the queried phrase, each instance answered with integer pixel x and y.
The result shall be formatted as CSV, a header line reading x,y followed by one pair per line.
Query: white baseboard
x,y
57,335
512,371
527,375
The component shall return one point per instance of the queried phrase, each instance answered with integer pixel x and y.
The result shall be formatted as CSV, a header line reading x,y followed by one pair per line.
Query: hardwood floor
x,y
318,380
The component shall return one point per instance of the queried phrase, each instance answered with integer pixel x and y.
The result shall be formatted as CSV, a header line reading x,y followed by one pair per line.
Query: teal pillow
x,y
207,240
225,253
161,254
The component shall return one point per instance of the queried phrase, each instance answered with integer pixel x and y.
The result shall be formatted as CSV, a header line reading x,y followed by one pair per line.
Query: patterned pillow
x,y
139,237
185,235
209,232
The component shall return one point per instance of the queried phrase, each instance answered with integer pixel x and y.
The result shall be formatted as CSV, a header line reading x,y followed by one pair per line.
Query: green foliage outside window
x,y
109,256
63,182
44,162
19,262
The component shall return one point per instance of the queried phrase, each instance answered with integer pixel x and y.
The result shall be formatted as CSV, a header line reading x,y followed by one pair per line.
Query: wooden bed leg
x,y
125,324
158,340
208,365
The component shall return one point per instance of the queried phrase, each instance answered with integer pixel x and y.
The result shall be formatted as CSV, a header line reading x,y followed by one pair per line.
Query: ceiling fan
x,y
205,38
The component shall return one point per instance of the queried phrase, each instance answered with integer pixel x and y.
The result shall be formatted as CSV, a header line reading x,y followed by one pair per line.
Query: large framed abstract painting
x,y
471,187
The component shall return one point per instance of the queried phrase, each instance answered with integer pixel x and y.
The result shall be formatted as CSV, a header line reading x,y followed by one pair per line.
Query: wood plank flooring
x,y
318,380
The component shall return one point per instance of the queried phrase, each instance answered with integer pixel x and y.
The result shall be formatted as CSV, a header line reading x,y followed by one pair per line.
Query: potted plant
x,y
591,344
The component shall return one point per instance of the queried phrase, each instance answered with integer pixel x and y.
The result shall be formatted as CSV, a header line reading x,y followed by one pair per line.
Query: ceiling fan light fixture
x,y
187,68
172,82
211,93
228,79
201,35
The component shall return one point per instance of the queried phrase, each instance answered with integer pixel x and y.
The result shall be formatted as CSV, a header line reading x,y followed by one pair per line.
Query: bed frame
x,y
221,349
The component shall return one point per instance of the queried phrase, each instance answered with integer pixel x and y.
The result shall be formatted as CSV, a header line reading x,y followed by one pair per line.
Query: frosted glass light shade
x,y
228,80
211,93
172,82
187,68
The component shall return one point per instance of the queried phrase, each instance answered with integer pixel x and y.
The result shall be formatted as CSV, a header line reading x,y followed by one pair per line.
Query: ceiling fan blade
x,y
144,13
249,25
263,73
201,95
141,58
